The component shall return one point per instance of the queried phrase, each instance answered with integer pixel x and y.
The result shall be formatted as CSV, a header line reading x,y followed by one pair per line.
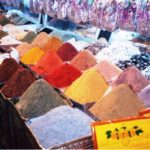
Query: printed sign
x,y
125,134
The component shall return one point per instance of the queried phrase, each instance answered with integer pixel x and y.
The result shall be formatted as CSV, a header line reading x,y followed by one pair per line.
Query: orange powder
x,y
83,60
23,48
40,40
108,70
52,44
32,56
121,102
48,63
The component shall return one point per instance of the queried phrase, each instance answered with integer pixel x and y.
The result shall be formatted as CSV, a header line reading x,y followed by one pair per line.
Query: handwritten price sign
x,y
124,134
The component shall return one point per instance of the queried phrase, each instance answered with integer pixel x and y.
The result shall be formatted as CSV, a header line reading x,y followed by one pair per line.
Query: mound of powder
x,y
108,70
32,56
38,99
90,87
23,48
40,40
119,103
144,95
83,60
48,63
52,44
60,125
133,77
30,36
7,69
63,76
18,83
67,52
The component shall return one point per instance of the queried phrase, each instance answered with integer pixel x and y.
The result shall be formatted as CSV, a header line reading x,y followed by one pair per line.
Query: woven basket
x,y
83,143
14,133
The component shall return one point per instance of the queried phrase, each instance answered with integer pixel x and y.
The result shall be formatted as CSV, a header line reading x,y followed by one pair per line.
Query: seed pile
x,y
141,61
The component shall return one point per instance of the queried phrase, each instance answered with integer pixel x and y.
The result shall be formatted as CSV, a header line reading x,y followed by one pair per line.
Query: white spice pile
x,y
60,125
117,52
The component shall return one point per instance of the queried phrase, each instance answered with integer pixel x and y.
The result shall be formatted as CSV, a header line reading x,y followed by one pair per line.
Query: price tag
x,y
126,134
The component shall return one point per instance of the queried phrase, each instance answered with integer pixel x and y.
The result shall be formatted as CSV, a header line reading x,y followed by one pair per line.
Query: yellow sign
x,y
145,113
125,134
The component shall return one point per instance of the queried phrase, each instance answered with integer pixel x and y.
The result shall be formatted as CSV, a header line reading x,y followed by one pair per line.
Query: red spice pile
x,y
48,63
67,52
8,67
18,83
63,76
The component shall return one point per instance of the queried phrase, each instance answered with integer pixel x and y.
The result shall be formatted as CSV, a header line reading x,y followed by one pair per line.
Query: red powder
x,y
63,76
18,83
48,63
67,52
7,69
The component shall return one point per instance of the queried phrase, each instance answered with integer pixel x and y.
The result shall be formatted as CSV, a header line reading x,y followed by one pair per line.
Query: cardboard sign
x,y
125,134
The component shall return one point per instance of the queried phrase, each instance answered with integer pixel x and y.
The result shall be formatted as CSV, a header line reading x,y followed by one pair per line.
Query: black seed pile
x,y
141,61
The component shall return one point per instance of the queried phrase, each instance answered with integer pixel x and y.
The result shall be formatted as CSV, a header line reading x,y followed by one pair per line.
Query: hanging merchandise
x,y
108,15
90,87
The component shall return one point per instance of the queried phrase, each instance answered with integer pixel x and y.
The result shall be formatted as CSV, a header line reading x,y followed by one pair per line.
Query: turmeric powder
x,y
32,56
90,87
